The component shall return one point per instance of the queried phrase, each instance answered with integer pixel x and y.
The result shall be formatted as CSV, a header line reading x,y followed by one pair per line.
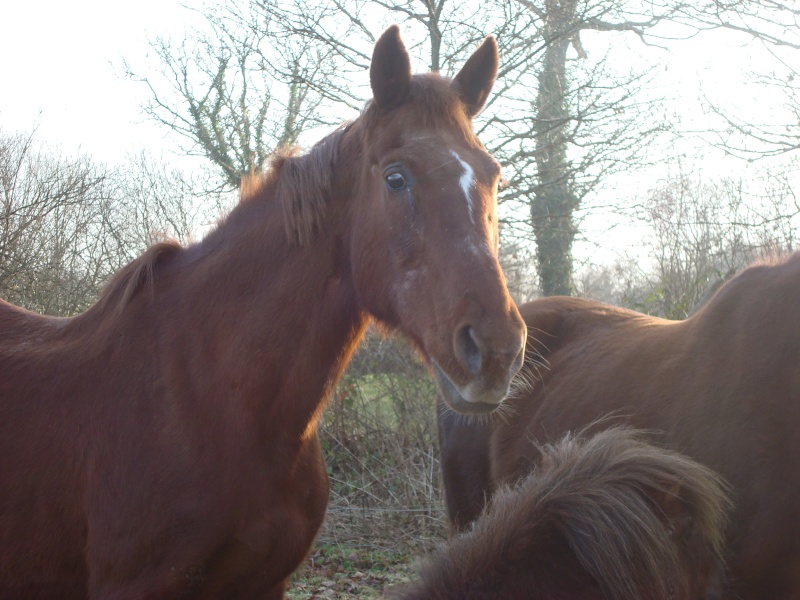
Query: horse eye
x,y
395,181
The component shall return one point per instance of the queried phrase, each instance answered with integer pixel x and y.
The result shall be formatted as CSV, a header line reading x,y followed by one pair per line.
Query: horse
x,y
722,386
608,517
164,444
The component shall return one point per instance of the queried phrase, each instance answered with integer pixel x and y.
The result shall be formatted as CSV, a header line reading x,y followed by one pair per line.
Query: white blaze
x,y
466,181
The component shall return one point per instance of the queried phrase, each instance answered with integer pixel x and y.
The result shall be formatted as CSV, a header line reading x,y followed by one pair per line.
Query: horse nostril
x,y
468,349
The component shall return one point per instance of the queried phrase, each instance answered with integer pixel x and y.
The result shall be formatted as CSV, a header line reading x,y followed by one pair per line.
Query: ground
x,y
334,572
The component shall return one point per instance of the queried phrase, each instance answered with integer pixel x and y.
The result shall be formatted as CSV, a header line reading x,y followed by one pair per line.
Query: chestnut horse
x,y
722,386
607,518
163,443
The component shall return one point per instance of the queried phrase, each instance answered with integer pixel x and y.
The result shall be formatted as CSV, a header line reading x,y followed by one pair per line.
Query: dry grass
x,y
340,572
382,455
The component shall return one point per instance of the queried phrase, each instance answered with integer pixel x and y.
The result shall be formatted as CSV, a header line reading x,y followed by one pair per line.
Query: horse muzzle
x,y
489,373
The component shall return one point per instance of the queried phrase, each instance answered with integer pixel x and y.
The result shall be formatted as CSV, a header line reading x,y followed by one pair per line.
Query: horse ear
x,y
476,78
390,71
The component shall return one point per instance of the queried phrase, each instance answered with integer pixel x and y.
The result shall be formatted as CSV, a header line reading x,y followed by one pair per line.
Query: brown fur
x,y
303,183
163,443
722,386
609,517
140,273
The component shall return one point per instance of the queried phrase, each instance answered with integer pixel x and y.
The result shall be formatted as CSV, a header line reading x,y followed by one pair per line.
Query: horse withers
x,y
608,517
163,444
722,386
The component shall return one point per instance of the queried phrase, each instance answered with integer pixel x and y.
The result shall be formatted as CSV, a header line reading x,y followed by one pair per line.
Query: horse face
x,y
425,257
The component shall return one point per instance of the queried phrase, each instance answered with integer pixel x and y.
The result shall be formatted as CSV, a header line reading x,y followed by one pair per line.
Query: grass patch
x,y
339,572
380,445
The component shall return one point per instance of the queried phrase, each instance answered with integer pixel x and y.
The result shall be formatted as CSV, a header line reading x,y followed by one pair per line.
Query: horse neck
x,y
263,322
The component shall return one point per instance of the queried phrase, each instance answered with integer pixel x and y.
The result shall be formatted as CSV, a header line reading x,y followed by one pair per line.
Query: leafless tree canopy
x,y
67,224
53,210
774,24
565,115
700,233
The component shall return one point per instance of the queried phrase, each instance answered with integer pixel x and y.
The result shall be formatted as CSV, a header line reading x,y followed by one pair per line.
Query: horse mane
x,y
137,274
599,498
604,487
302,181
302,185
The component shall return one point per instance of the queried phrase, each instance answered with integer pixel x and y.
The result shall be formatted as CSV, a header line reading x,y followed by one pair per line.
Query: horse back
x,y
722,386
728,373
42,482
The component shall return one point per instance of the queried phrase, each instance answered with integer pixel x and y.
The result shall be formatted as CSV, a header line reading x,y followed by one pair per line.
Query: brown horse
x,y
163,443
607,518
723,387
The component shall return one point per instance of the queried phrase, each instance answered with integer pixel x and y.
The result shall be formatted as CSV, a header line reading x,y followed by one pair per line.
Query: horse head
x,y
425,242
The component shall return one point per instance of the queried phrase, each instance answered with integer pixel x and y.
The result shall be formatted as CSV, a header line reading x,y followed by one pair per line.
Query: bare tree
x,y
67,224
775,25
765,136
704,232
589,118
153,202
774,22
50,256
238,90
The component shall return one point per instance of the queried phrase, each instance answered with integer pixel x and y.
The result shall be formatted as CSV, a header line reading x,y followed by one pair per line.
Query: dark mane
x,y
137,274
601,500
302,184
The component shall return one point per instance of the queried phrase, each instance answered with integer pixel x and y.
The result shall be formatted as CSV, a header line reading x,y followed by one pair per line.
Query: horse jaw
x,y
462,400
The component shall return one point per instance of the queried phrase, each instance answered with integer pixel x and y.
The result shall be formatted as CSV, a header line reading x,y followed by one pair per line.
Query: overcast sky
x,y
61,66
61,72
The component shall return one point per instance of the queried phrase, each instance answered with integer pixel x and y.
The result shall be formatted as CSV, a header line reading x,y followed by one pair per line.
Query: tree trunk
x,y
554,199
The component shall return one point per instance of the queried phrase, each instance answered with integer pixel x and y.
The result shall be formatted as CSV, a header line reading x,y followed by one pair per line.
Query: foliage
x,y
380,443
701,234
67,224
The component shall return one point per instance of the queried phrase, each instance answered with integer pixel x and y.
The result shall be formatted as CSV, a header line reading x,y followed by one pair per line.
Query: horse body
x,y
171,463
609,517
163,443
723,386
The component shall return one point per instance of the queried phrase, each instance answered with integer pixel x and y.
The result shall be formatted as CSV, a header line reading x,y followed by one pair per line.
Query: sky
x,y
62,74
62,70
61,65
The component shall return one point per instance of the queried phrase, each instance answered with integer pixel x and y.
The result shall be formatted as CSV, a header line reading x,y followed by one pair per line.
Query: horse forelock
x,y
436,105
